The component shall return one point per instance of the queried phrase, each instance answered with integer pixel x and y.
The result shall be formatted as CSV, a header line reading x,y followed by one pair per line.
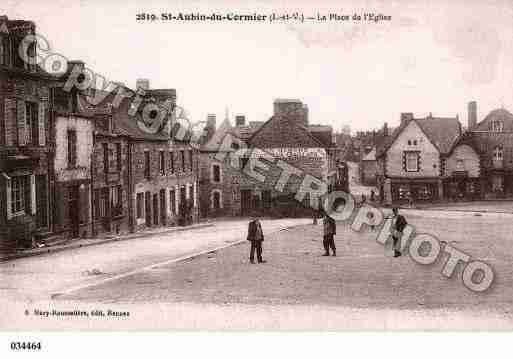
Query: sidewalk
x,y
86,242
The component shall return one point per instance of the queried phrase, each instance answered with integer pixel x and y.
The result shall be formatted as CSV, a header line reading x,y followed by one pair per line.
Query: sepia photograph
x,y
255,166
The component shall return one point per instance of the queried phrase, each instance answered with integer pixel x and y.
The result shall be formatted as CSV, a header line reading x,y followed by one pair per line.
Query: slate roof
x,y
286,132
443,132
123,123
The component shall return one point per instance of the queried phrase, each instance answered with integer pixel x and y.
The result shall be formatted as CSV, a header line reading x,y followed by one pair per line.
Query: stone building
x,y
493,139
72,133
427,159
25,151
228,186
156,183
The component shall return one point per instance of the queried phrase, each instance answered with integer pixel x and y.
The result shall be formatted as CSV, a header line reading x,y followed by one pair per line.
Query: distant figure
x,y
364,199
410,200
330,229
398,224
372,196
256,237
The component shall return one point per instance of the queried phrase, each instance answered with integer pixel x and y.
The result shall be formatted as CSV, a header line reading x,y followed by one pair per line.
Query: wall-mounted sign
x,y
297,153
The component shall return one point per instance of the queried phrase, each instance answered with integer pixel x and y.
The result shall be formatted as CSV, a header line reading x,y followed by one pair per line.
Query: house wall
x,y
15,90
84,131
67,177
103,179
176,179
470,161
429,155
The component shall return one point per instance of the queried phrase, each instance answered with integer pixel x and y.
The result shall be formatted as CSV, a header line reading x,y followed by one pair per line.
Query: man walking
x,y
398,224
256,237
330,229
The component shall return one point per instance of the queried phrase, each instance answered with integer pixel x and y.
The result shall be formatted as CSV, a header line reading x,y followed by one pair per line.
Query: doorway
x,y
73,211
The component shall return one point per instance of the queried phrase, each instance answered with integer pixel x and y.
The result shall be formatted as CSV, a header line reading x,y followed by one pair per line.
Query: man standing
x,y
398,224
256,237
330,229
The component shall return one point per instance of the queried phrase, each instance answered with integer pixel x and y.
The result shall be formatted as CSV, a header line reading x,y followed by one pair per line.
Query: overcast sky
x,y
433,56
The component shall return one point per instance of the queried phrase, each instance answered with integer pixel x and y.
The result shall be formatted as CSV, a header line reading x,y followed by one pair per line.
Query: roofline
x,y
295,124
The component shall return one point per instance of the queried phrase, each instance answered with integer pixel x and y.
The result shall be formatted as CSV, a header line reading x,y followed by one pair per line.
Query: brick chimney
x,y
385,129
405,117
472,114
142,84
240,120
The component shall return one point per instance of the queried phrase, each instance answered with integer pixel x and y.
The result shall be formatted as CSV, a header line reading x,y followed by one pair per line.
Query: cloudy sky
x,y
433,56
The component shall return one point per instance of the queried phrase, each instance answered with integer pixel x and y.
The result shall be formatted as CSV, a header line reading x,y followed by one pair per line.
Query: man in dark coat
x,y
398,225
256,237
329,229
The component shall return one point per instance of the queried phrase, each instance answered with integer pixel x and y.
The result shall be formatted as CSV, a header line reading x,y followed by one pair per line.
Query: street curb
x,y
454,210
155,265
57,249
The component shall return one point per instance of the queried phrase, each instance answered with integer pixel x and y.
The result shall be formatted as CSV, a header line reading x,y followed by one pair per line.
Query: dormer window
x,y
497,126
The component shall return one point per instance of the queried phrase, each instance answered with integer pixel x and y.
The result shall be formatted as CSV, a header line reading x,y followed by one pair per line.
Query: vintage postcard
x,y
229,165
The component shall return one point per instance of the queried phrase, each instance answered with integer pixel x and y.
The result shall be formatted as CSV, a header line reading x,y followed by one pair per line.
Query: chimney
x,y
211,121
240,120
472,114
142,84
385,129
405,117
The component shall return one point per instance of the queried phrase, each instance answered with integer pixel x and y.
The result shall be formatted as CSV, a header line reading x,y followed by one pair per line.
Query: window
x,y
412,161
3,50
172,200
409,142
172,161
191,159
117,200
147,164
104,202
32,125
140,205
498,154
182,153
243,162
118,156
19,194
460,165
72,148
443,166
216,173
105,157
162,163
497,126
415,142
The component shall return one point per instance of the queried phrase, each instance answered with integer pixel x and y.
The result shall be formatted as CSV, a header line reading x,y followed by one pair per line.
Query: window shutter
x,y
9,121
404,161
8,196
419,167
32,190
42,123
21,122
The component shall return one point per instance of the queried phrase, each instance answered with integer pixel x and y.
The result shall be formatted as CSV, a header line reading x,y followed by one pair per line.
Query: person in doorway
x,y
330,229
372,196
397,228
256,237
